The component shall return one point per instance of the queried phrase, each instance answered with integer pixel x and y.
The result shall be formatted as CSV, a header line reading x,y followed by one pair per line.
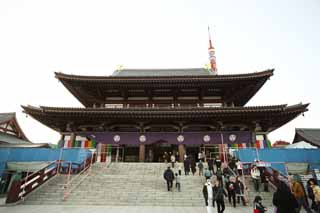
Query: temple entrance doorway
x,y
211,151
161,151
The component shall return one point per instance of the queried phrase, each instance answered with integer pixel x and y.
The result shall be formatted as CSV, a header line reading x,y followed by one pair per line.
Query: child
x,y
178,179
257,204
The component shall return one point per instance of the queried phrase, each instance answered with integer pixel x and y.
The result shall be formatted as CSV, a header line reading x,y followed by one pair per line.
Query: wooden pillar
x,y
182,151
142,150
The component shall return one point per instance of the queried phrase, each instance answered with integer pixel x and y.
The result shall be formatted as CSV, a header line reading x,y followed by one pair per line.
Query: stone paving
x,y
115,209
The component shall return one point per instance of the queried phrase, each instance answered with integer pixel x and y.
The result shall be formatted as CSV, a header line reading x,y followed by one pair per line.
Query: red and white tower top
x,y
212,55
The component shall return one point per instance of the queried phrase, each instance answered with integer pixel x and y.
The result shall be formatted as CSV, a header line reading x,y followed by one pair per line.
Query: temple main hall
x,y
139,114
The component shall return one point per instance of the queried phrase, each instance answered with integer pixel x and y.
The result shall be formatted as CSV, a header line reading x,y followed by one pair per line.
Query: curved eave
x,y
11,117
56,117
310,138
82,78
76,84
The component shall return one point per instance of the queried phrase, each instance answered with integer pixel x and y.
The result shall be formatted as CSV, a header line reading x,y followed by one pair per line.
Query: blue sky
x,y
39,37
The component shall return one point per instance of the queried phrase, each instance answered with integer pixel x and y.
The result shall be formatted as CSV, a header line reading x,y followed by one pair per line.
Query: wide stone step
x,y
126,184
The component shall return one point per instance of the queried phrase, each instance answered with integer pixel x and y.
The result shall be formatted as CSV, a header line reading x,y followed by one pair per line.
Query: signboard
x,y
262,164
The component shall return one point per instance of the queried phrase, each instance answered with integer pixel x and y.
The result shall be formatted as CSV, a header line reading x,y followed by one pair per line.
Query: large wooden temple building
x,y
143,113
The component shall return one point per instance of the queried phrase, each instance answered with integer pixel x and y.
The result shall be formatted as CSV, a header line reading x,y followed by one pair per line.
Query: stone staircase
x,y
127,184
266,196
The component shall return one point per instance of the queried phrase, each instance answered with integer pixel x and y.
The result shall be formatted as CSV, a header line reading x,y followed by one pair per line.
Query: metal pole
x,y
223,151
59,160
117,153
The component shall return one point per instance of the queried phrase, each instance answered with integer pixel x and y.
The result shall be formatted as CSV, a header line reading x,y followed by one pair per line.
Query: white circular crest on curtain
x,y
116,138
232,137
180,138
142,138
206,138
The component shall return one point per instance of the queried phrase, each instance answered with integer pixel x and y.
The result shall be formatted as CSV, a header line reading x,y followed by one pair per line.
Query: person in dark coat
x,y
257,204
218,196
218,162
284,200
231,188
186,165
169,177
239,188
264,179
210,165
193,165
311,194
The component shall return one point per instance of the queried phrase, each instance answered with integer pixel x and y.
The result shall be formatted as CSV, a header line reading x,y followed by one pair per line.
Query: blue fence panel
x,y
75,155
4,153
280,155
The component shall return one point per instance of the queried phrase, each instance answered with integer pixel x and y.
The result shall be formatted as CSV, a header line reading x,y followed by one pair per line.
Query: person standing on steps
x,y
218,196
178,182
186,165
218,162
255,174
193,165
169,177
207,173
210,165
283,199
299,194
207,191
231,187
239,188
173,160
200,166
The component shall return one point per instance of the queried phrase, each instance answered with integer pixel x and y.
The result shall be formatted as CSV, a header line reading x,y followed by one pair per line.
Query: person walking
x,y
316,192
231,187
311,195
186,164
218,196
264,179
193,165
207,192
218,163
210,165
178,182
207,173
169,177
173,160
239,188
283,199
255,174
299,194
200,166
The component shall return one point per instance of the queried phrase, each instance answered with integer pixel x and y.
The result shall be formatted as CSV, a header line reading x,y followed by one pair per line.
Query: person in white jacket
x,y
255,174
208,196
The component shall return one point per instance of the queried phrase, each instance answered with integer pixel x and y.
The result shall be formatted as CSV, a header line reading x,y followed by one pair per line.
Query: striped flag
x,y
268,144
257,145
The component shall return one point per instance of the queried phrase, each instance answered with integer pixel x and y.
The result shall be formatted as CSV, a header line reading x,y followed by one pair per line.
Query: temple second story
x,y
168,88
